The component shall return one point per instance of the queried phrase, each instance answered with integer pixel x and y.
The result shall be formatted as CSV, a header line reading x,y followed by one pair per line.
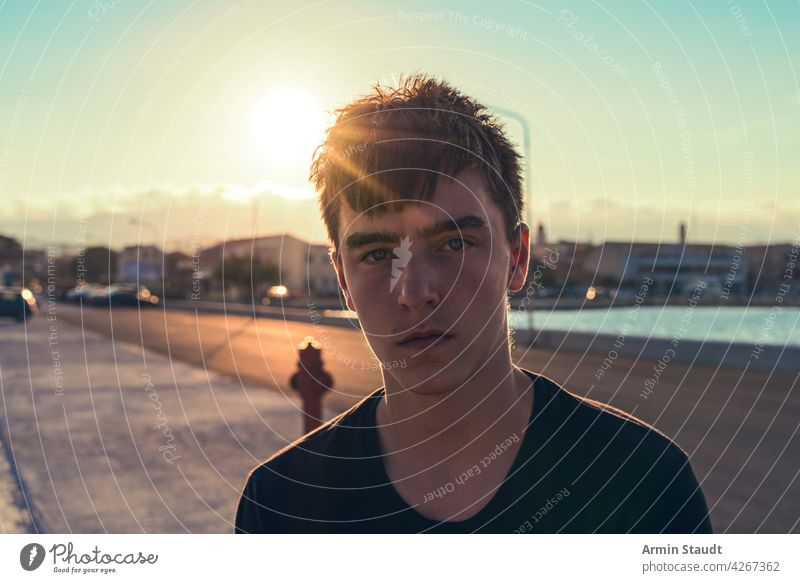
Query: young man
x,y
421,195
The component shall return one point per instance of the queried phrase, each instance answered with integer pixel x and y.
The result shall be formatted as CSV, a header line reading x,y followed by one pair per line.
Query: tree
x,y
95,265
248,276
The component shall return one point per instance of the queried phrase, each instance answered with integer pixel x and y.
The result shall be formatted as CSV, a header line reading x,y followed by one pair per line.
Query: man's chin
x,y
426,378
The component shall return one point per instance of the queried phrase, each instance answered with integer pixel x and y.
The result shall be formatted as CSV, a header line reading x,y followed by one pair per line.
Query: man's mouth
x,y
425,338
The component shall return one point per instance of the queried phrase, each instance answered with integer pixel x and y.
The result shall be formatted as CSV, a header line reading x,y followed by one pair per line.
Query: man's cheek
x,y
367,290
470,284
370,280
376,324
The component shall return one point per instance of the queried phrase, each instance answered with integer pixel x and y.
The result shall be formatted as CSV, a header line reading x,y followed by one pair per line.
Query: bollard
x,y
311,382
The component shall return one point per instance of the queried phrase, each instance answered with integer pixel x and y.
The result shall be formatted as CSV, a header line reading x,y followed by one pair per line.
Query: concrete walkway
x,y
14,515
110,438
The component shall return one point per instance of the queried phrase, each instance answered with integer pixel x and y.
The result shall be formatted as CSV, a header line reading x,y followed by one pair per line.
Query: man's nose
x,y
417,289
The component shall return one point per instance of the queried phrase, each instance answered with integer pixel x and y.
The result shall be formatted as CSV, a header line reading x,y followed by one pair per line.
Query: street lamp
x,y
153,266
526,145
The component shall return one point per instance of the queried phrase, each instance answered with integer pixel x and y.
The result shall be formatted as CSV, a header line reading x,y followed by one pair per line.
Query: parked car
x,y
279,292
18,303
124,294
84,292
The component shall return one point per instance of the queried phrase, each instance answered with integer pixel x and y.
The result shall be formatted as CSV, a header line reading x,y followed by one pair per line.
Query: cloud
x,y
179,217
170,215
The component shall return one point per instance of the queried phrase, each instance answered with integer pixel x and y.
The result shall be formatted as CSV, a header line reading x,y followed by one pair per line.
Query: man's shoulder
x,y
639,479
337,441
609,429
312,477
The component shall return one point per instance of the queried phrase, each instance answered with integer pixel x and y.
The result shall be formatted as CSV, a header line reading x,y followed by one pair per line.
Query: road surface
x,y
93,459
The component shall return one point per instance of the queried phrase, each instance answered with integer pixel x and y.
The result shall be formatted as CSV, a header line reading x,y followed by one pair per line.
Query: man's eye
x,y
457,244
377,256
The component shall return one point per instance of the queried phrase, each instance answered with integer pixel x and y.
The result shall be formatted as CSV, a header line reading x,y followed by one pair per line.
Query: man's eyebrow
x,y
359,239
450,224
356,240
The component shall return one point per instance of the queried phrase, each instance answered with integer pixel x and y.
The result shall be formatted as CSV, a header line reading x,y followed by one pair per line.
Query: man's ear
x,y
337,265
520,259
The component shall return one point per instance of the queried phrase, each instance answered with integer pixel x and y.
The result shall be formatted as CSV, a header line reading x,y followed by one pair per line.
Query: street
x,y
129,421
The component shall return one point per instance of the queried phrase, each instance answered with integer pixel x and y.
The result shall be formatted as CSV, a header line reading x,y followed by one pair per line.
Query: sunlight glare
x,y
288,125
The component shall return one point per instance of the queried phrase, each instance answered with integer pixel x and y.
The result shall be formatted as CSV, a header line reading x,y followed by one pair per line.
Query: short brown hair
x,y
395,143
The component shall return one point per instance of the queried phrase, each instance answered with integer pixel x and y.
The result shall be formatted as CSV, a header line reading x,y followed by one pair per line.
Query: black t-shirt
x,y
583,467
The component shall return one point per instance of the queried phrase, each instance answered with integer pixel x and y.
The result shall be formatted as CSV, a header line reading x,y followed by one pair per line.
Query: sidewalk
x,y
110,438
14,516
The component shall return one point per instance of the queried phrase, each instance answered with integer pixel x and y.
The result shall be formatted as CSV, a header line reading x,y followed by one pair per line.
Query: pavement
x,y
127,421
15,517
108,437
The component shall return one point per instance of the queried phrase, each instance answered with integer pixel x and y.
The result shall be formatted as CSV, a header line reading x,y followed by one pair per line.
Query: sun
x,y
287,125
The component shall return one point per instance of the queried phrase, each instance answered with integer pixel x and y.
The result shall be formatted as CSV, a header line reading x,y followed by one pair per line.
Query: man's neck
x,y
421,428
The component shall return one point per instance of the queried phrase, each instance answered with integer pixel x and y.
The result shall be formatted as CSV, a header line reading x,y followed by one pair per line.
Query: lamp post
x,y
157,239
526,145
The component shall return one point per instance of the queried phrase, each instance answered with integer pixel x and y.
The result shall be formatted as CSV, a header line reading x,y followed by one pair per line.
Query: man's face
x,y
440,267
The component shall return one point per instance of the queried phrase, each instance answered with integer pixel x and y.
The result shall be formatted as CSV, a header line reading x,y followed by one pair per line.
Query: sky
x,y
126,121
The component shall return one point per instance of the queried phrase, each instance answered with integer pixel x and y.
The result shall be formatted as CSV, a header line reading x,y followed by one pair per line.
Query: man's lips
x,y
425,338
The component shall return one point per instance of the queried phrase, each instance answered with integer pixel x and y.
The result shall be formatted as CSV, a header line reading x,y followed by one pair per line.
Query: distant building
x,y
304,268
676,269
321,274
10,250
182,277
141,263
35,262
565,261
10,262
540,241
618,261
768,266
